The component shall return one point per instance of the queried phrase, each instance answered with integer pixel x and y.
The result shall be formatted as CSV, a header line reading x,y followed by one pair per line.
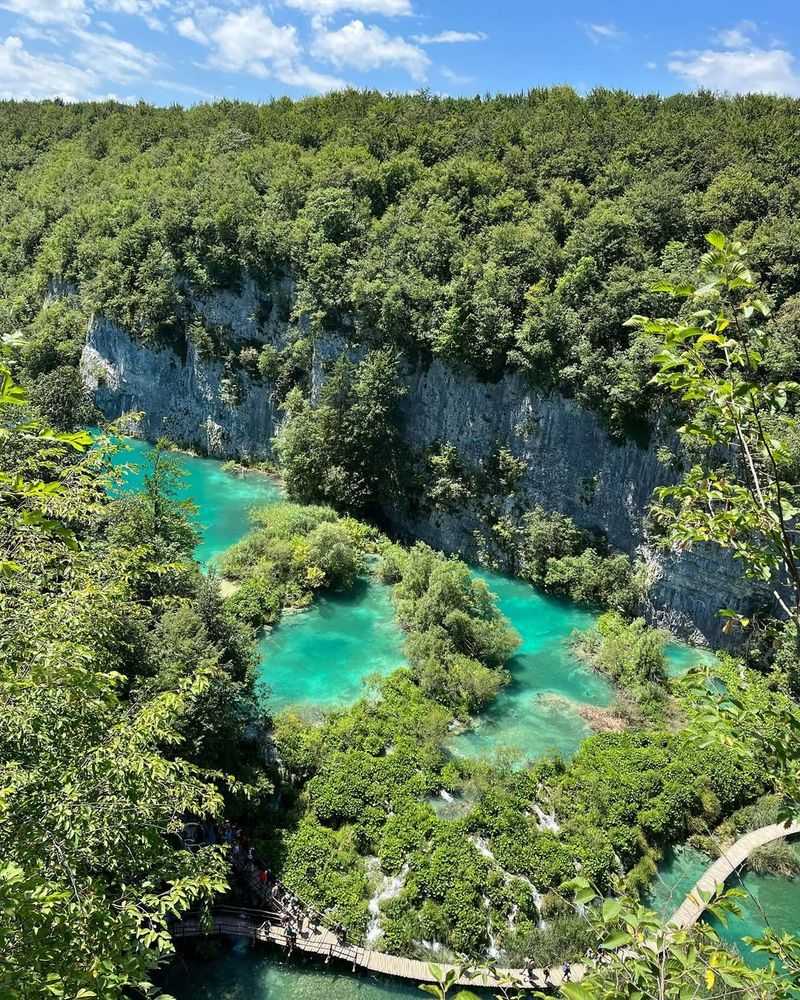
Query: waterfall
x,y
387,888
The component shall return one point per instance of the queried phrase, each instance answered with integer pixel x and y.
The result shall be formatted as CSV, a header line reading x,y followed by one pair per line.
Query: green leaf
x,y
576,991
617,940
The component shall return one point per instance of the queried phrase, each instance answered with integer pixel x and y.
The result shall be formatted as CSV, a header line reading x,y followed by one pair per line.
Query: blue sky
x,y
185,51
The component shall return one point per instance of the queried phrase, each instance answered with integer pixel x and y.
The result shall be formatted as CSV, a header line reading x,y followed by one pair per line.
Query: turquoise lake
x,y
320,658
770,898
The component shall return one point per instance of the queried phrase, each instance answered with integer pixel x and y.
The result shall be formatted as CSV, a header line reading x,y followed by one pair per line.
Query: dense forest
x,y
508,232
537,233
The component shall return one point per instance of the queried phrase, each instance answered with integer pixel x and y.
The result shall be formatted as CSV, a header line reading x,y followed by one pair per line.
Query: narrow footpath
x,y
270,926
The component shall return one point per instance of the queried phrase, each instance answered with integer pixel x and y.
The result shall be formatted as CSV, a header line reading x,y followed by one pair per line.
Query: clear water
x,y
321,657
223,498
770,900
242,973
681,658
537,712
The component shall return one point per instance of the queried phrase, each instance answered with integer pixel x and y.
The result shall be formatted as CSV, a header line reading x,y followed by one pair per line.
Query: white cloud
x,y
651,65
738,37
250,42
187,28
365,48
603,33
112,58
136,8
453,77
751,70
184,88
27,76
303,76
451,37
49,11
326,8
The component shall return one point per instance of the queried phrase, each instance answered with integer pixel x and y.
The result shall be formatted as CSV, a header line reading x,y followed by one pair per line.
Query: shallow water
x,y
536,712
223,498
320,657
242,973
770,899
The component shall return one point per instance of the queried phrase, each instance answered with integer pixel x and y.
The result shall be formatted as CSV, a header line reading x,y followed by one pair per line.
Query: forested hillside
x,y
510,232
539,234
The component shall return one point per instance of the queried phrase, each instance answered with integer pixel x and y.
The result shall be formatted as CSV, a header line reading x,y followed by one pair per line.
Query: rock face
x,y
181,395
571,463
574,467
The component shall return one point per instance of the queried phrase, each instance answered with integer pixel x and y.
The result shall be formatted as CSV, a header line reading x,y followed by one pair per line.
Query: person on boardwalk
x,y
530,971
566,971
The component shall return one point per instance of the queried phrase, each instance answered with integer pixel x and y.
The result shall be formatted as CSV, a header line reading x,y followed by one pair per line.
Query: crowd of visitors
x,y
256,884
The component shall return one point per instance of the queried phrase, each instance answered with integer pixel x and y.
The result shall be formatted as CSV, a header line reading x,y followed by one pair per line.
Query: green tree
x,y
95,789
712,361
346,449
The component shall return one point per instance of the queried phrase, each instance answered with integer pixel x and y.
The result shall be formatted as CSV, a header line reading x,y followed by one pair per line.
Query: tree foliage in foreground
x,y
110,737
737,497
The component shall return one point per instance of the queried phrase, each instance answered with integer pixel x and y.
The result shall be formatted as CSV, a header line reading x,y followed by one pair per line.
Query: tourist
x,y
565,972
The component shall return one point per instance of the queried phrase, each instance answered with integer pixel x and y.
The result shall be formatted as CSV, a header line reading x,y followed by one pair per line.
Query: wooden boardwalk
x,y
691,909
263,925
255,925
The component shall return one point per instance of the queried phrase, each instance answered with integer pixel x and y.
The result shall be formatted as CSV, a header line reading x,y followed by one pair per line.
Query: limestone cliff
x,y
571,463
181,395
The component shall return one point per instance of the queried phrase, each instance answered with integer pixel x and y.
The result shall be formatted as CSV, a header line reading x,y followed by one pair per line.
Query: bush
x,y
330,548
632,654
546,536
564,939
292,551
595,580
457,642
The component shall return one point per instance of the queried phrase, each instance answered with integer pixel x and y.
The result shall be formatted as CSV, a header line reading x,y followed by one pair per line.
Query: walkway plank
x,y
691,909
257,925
